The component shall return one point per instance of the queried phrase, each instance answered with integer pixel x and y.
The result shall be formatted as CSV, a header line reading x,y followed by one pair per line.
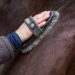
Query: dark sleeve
x,y
8,45
6,50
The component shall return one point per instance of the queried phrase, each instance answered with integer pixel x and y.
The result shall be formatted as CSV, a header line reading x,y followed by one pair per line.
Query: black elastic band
x,y
33,26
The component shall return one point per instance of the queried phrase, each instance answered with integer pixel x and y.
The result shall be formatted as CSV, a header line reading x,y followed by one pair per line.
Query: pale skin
x,y
23,31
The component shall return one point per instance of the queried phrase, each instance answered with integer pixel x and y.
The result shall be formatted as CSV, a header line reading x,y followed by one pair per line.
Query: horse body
x,y
56,52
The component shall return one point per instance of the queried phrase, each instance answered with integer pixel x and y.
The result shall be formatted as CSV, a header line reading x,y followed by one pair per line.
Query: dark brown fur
x,y
55,55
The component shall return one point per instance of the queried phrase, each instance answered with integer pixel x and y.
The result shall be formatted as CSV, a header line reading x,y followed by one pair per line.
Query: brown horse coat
x,y
55,55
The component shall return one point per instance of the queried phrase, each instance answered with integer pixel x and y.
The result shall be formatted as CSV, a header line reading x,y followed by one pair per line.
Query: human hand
x,y
24,32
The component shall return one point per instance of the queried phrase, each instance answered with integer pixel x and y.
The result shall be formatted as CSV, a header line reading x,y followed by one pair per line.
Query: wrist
x,y
23,32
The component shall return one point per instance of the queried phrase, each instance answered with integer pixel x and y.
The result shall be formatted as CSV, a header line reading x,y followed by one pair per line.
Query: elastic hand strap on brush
x,y
33,26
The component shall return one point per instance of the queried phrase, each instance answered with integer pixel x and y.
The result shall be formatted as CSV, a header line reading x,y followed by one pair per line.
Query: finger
x,y
42,24
45,17
41,17
38,16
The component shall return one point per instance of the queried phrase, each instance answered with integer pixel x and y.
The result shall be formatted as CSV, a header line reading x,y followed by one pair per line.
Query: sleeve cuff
x,y
14,40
